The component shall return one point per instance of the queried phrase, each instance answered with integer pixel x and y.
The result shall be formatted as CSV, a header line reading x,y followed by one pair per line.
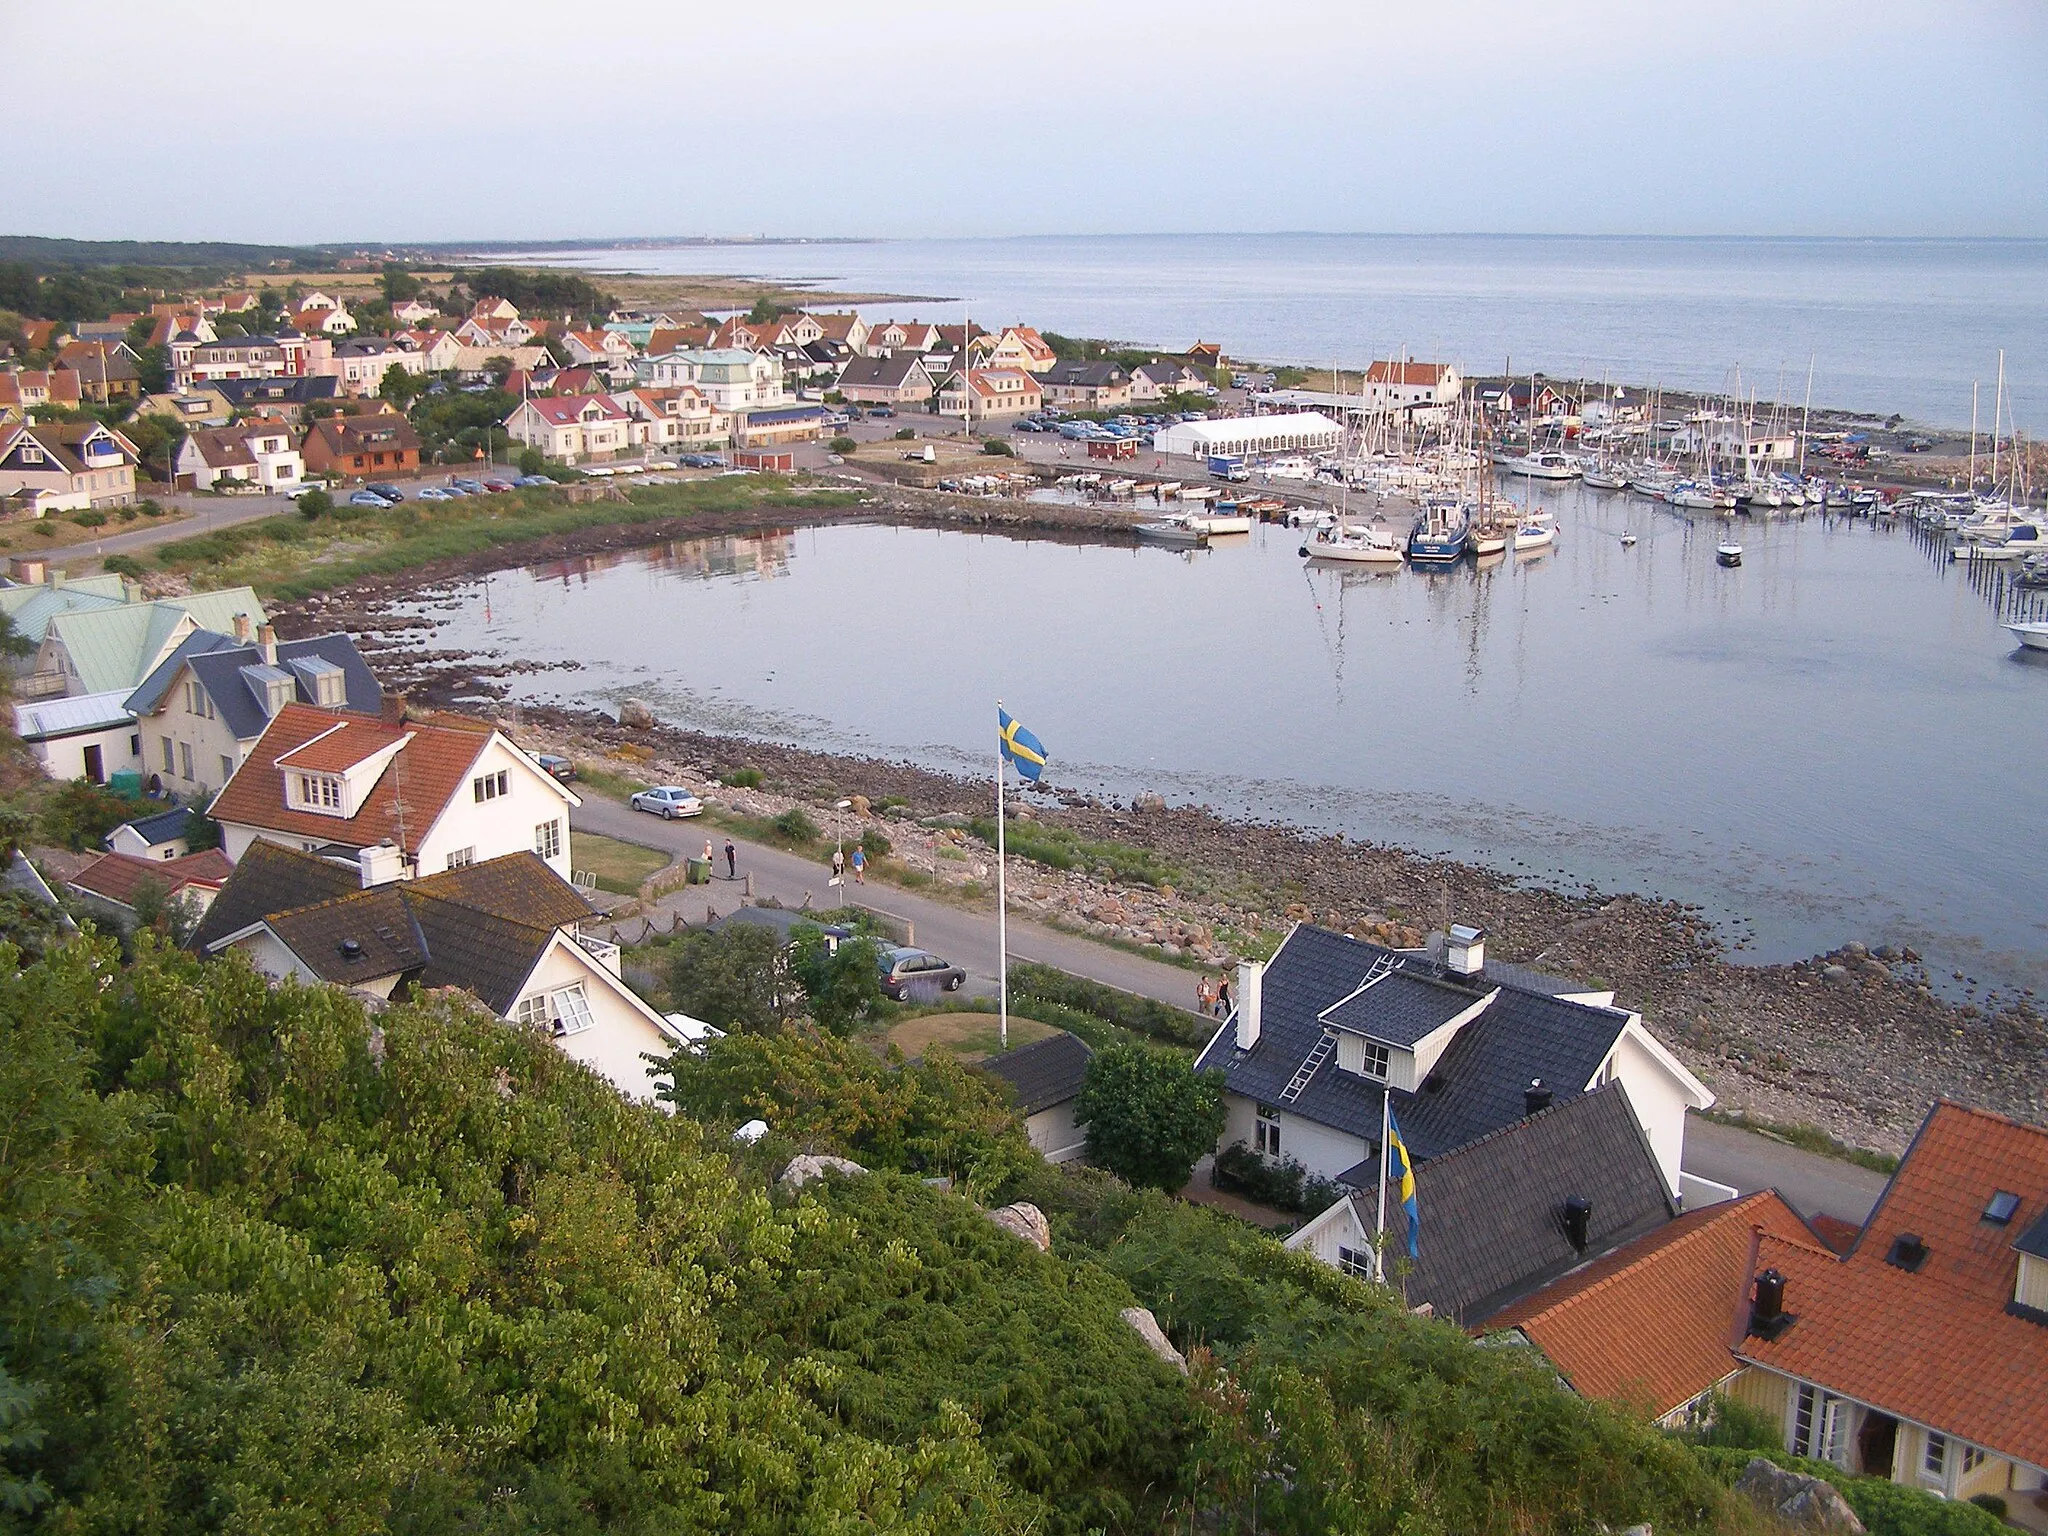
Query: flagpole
x,y
1002,908
1379,1247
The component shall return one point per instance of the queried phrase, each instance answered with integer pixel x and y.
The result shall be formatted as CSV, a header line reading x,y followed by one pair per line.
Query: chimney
x,y
380,863
1767,1315
244,630
1251,977
1536,1097
1465,953
1578,1221
267,638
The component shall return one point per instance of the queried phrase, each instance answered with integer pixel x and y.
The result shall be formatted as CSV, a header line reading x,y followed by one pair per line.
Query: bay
x,y
1835,741
1900,326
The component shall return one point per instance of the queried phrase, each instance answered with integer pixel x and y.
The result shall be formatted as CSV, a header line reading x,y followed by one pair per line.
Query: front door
x,y
1876,1443
95,765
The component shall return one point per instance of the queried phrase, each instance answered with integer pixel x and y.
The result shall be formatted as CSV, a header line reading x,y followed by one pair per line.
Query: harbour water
x,y
1890,325
1835,741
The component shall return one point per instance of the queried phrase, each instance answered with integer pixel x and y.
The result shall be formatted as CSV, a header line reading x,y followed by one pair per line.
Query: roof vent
x,y
1767,1315
2003,1207
1465,954
351,949
1908,1252
1578,1221
1536,1097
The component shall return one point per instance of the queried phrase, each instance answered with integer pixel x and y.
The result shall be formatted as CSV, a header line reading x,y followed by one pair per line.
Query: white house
x,y
571,428
673,419
440,795
1046,1079
1332,1030
732,378
90,736
258,455
1424,391
506,930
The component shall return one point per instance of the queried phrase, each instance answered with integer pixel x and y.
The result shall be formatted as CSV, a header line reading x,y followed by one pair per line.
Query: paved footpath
x,y
1722,1153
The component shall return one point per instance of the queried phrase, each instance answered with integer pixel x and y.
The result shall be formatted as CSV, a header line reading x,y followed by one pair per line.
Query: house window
x,y
1934,1459
491,785
1972,1459
1355,1262
571,1010
462,858
227,767
185,757
547,839
317,791
170,764
1805,1408
1267,1131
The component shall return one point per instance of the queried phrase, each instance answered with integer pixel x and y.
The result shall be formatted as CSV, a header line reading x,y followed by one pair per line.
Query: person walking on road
x,y
732,864
838,866
1223,996
860,865
1205,996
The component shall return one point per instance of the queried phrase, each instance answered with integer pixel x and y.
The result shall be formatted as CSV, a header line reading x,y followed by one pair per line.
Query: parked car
x,y
556,767
918,972
390,493
435,493
367,499
461,483
668,801
882,410
496,486
533,482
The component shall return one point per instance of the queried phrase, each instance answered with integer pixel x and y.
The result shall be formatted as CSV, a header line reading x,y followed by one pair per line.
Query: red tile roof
x,y
1648,1324
436,765
1935,1344
341,746
117,876
1425,375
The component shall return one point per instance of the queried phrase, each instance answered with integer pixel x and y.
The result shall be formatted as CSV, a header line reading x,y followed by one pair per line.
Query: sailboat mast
x,y
1975,385
1806,416
1997,415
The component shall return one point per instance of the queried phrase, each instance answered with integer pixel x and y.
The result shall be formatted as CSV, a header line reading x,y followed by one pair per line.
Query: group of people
x,y
860,865
1214,996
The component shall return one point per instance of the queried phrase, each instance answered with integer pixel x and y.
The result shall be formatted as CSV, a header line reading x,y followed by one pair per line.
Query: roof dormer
x,y
333,774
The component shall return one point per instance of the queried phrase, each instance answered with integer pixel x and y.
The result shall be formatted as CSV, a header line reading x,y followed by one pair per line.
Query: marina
x,y
1626,714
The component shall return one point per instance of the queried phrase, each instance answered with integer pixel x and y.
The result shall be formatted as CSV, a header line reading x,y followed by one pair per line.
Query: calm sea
x,y
1890,325
1835,741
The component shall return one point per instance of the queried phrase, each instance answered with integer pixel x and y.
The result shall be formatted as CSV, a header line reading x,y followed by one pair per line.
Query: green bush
x,y
842,445
1886,1508
149,506
795,825
79,814
995,447
90,517
1286,1186
743,778
532,461
315,504
1126,1010
875,842
1993,1503
1062,848
122,565
1150,1117
906,434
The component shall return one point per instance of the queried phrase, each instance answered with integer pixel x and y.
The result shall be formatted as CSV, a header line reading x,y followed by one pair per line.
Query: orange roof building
x,y
1922,1354
1647,1326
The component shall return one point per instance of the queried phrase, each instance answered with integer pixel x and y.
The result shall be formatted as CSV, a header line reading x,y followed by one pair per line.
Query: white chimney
x,y
1251,977
380,863
1465,953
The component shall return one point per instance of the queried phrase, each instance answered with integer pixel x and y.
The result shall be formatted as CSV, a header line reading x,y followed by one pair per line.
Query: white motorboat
x,y
1536,531
1225,518
1172,531
1628,541
1696,496
1728,554
2033,636
1547,465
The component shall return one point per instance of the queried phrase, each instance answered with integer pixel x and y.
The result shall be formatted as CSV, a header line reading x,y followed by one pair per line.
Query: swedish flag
x,y
1020,747
1401,1174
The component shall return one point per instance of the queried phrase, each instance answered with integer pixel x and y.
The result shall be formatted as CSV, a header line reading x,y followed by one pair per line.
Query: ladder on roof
x,y
1382,968
1314,1059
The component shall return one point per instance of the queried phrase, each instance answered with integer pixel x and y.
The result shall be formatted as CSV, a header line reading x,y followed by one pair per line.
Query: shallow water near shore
x,y
1836,741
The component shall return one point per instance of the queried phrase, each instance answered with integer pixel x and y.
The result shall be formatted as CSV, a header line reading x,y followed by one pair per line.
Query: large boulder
x,y
1141,1322
1807,1503
815,1165
1027,1221
636,714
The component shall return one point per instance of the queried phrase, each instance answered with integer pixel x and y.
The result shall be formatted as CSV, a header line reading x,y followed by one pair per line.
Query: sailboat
x,y
1537,531
1374,544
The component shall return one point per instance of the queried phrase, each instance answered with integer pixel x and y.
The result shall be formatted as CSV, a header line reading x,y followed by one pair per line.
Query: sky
x,y
388,122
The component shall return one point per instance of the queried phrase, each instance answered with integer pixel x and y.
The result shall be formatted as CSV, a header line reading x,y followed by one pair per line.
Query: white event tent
x,y
1294,432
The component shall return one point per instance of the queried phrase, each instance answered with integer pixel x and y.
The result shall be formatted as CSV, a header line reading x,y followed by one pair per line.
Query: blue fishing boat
x,y
1439,537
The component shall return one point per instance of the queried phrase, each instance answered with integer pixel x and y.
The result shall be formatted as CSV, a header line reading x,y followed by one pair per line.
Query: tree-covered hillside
x,y
268,1264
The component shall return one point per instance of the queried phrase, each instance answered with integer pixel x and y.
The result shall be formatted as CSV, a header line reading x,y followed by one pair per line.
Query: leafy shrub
x,y
1126,1010
795,825
316,504
122,565
149,506
79,814
906,434
995,447
1886,1508
875,842
1734,1423
842,445
89,517
1285,1186
843,985
743,778
1150,1117
1991,1502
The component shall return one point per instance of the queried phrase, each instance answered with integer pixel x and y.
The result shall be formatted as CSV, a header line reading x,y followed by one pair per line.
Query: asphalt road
x,y
1722,1153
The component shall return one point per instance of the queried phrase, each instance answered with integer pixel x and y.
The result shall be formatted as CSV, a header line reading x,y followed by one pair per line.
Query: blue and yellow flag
x,y
1401,1174
1020,747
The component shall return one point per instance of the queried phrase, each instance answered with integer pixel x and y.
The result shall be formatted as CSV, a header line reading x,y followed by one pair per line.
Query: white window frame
x,y
489,786
1934,1459
569,1009
462,858
547,839
1266,1130
1355,1262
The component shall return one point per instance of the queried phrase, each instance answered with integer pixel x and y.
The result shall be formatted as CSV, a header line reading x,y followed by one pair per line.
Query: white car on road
x,y
668,801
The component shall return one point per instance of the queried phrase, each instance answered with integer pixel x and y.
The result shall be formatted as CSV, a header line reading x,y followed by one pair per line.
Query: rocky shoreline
x,y
1853,1042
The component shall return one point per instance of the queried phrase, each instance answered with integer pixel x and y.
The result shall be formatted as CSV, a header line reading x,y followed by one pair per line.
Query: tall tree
x,y
1150,1116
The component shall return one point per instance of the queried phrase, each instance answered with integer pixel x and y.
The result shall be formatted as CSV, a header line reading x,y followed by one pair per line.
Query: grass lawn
x,y
969,1036
618,866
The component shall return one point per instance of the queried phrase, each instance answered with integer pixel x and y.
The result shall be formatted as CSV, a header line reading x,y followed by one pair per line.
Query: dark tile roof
x,y
1089,375
880,372
2034,1241
1477,1084
150,693
519,885
1492,1212
164,827
360,937
287,391
118,876
270,878
482,952
1047,1073
241,709
1400,1008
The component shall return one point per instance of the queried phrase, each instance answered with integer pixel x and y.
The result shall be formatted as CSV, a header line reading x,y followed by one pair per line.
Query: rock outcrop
x,y
1807,1503
1027,1221
815,1165
1141,1322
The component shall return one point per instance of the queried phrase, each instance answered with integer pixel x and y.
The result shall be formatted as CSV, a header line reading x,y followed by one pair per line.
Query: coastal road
x,y
1751,1162
1722,1153
966,938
